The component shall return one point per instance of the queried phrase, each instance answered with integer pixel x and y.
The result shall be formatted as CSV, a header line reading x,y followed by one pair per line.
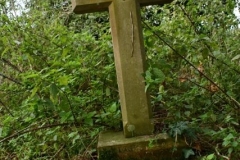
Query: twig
x,y
24,131
11,79
222,156
203,88
8,110
189,18
85,152
10,64
208,47
70,105
57,153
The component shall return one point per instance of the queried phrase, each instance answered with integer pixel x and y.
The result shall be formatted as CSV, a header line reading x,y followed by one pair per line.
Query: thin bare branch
x,y
33,130
192,65
11,79
7,109
10,64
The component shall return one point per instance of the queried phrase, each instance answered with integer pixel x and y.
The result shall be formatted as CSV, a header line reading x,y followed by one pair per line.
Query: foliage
x,y
58,85
196,50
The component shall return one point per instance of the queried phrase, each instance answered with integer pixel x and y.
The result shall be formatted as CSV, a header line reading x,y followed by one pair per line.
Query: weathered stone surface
x,y
89,6
129,58
130,65
114,146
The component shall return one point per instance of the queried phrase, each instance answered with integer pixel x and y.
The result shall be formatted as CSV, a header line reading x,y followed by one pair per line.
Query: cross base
x,y
114,146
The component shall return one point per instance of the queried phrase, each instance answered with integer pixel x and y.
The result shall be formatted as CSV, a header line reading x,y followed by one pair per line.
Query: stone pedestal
x,y
114,146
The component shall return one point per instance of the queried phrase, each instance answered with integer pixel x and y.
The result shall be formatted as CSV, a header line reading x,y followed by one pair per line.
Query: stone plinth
x,y
114,146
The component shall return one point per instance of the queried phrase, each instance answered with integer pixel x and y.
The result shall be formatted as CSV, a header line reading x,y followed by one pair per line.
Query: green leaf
x,y
65,52
53,92
205,53
64,104
91,114
159,75
210,157
229,137
1,131
187,113
33,75
65,116
148,75
188,153
113,108
34,91
236,57
55,137
88,121
75,138
108,92
213,117
5,51
149,42
63,80
72,134
235,144
146,87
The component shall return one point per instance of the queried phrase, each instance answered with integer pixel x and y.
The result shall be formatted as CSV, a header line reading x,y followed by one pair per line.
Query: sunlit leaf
x,y
236,57
63,80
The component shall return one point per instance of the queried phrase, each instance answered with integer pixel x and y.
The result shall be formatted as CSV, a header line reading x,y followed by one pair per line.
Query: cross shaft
x,y
129,58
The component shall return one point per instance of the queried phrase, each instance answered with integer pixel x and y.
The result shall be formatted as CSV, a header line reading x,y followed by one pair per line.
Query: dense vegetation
x,y
58,87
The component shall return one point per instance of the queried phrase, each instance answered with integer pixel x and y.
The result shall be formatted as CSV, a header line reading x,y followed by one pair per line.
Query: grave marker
x,y
129,58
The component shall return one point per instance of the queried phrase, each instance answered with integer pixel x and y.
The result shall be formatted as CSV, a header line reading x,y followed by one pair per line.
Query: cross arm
x,y
88,6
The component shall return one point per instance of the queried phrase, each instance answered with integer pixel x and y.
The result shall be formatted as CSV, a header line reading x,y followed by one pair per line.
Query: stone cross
x,y
129,58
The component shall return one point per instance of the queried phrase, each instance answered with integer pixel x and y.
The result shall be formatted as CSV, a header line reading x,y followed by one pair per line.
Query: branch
x,y
10,64
191,64
11,79
222,156
70,105
203,88
24,131
8,110
189,18
57,153
208,47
